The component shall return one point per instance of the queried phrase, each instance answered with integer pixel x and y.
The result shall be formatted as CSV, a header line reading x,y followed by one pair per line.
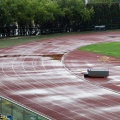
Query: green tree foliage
x,y
75,12
5,16
27,11
42,11
108,2
24,11
115,13
106,14
21,11
57,13
46,11
116,1
101,1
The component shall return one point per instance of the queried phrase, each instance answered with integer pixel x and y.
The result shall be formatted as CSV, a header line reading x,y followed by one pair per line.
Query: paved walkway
x,y
46,76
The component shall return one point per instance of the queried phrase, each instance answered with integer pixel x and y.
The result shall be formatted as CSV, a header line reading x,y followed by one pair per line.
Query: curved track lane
x,y
45,76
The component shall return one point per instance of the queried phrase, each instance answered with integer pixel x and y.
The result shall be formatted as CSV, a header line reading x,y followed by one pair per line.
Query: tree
x,y
116,1
102,1
24,12
46,11
75,12
5,17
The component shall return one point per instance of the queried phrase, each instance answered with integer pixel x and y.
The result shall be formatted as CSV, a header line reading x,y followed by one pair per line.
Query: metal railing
x,y
15,111
27,31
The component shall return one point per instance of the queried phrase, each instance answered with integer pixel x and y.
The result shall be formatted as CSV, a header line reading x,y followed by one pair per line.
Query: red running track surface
x,y
46,76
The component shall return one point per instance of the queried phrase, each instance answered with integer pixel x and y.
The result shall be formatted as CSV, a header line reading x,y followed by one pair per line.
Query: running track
x,y
46,76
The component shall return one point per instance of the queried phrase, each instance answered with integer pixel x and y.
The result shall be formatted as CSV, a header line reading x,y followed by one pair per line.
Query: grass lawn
x,y
106,48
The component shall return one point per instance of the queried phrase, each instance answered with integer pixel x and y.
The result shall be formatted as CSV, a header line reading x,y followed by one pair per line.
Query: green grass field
x,y
107,48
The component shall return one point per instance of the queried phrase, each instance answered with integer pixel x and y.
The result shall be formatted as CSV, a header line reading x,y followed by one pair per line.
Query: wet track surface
x,y
46,76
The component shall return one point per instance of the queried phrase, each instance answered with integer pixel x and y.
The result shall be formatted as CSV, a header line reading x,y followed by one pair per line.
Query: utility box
x,y
97,73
